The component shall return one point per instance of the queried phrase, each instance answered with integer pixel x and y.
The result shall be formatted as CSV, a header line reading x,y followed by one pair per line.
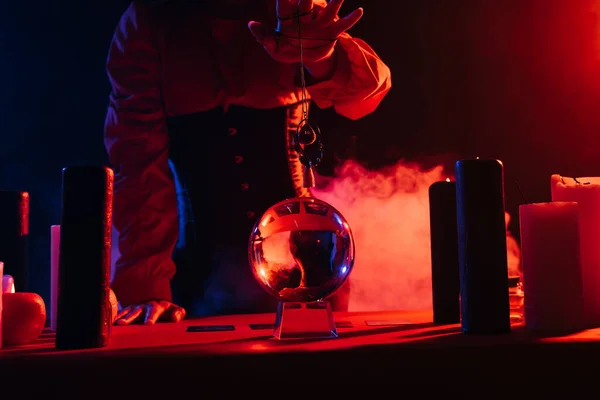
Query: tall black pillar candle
x,y
83,315
444,253
14,236
482,246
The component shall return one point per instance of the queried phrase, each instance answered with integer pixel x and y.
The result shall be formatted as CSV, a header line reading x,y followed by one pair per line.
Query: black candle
x,y
444,253
14,236
84,312
482,246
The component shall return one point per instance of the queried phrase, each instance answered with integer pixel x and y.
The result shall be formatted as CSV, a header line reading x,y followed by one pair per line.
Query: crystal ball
x,y
301,250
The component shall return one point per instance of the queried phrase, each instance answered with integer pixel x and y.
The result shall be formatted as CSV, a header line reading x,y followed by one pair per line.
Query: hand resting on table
x,y
150,312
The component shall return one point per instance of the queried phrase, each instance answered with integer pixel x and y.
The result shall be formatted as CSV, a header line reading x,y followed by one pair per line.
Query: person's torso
x,y
235,164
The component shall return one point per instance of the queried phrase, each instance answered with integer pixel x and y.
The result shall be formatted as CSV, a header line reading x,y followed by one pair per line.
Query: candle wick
x,y
562,179
576,181
521,192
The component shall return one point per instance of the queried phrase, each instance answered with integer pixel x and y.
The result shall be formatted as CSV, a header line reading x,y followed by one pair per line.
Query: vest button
x,y
250,214
231,131
239,159
244,186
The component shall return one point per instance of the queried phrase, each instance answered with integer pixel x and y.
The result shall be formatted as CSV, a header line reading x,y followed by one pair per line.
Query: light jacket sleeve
x,y
360,82
145,205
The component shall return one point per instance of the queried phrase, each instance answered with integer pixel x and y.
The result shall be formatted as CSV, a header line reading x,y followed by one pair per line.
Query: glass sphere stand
x,y
305,320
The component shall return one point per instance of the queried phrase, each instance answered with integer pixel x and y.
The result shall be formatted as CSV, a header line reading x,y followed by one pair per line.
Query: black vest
x,y
229,168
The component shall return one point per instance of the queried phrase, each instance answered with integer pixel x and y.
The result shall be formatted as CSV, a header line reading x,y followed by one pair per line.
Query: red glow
x,y
388,211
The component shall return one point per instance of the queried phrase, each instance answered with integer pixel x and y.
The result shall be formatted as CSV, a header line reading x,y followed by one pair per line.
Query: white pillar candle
x,y
1,274
552,278
54,254
8,284
586,192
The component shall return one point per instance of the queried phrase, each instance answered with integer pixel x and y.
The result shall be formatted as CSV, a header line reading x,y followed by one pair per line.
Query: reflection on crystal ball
x,y
302,250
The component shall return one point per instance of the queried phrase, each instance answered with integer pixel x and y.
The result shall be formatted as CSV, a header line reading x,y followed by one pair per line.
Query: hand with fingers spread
x,y
150,312
319,30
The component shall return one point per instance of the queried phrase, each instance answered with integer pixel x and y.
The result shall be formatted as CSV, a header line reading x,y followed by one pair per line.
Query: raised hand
x,y
319,28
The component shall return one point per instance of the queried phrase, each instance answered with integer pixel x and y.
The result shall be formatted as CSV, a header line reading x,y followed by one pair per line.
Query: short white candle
x,y
8,284
1,274
54,254
552,278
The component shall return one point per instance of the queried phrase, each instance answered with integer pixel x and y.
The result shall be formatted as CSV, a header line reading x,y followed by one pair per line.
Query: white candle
x,y
8,284
587,194
1,274
552,278
54,254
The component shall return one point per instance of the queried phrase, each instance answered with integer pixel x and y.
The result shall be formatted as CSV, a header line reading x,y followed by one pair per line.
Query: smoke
x,y
388,211
513,252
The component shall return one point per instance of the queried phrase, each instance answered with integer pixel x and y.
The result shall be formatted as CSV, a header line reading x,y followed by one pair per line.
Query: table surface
x,y
375,345
355,330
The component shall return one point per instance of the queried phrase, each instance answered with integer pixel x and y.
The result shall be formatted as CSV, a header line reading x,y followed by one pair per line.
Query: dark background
x,y
517,80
